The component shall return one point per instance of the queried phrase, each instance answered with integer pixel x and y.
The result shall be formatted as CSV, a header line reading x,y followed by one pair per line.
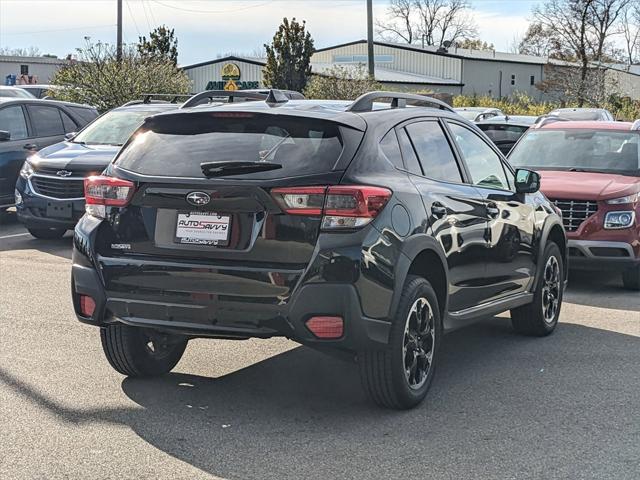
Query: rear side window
x,y
391,149
12,121
85,115
434,151
46,121
176,145
69,124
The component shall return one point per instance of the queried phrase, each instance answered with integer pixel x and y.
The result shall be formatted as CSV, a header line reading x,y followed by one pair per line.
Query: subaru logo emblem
x,y
198,198
63,173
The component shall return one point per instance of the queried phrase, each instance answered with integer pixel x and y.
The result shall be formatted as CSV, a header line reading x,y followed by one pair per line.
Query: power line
x,y
212,11
153,17
144,9
132,17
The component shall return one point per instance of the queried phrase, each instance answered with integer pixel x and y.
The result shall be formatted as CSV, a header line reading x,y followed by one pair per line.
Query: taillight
x,y
341,207
101,192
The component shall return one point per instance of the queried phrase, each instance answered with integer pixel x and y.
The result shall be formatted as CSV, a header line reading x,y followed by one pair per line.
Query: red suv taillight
x,y
341,206
101,192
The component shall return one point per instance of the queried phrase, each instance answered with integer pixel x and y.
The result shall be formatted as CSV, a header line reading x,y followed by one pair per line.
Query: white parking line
x,y
15,235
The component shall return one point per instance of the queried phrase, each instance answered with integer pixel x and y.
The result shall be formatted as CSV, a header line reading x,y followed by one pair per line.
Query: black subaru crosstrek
x,y
353,227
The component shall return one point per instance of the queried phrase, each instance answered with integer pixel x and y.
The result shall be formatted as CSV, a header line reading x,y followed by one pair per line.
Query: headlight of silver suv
x,y
26,171
621,219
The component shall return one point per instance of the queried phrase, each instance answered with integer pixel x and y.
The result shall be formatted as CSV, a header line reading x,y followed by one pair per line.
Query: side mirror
x,y
527,181
70,135
5,136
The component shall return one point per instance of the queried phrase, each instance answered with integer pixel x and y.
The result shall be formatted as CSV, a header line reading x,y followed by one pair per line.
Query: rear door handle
x,y
438,210
30,146
492,210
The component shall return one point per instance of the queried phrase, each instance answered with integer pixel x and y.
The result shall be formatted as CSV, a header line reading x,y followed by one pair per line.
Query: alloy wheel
x,y
551,289
418,343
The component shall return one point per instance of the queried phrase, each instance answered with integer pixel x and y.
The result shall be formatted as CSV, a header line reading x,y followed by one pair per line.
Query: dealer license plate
x,y
203,228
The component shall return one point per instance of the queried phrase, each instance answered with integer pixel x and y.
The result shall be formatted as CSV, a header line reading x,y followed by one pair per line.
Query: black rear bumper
x,y
241,321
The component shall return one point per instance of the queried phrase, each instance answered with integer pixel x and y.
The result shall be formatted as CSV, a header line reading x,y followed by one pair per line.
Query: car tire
x,y
540,317
384,372
138,352
47,233
631,278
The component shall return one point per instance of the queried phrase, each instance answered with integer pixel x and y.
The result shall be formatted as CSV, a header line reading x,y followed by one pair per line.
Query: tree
x,y
540,41
341,83
98,79
161,44
20,52
578,31
630,31
477,44
430,21
289,56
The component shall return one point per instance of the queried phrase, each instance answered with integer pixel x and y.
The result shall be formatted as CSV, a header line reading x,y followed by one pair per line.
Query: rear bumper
x,y
32,211
597,254
235,320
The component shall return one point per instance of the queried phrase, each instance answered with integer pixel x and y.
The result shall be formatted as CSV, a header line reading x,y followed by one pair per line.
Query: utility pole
x,y
119,40
370,56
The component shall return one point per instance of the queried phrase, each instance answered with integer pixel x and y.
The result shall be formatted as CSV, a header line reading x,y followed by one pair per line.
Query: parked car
x,y
506,130
13,92
27,125
50,188
477,114
591,171
343,226
584,114
39,90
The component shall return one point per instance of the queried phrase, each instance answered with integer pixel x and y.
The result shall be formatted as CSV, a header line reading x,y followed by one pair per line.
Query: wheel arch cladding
x,y
553,231
423,256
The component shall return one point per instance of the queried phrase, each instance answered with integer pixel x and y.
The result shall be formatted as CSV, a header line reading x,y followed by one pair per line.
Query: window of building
x,y
513,79
24,69
434,151
362,59
532,80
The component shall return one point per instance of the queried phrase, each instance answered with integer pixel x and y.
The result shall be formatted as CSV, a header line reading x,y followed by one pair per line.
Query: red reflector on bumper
x,y
326,327
87,305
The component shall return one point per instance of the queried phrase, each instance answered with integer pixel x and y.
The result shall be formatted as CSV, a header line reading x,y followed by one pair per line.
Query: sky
x,y
208,28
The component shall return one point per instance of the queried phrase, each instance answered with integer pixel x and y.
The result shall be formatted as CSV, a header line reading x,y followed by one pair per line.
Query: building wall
x,y
627,84
422,63
483,78
202,75
43,68
412,88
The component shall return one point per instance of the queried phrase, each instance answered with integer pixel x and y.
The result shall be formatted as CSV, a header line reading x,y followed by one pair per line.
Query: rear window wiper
x,y
221,169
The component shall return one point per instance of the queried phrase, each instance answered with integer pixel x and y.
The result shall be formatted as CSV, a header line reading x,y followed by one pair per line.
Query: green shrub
x,y
522,104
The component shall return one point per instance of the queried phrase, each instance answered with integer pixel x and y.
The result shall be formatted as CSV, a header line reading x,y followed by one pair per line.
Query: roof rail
x,y
150,97
198,98
635,125
364,103
543,120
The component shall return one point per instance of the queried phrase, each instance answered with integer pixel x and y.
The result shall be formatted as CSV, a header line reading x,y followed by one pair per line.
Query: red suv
x,y
591,171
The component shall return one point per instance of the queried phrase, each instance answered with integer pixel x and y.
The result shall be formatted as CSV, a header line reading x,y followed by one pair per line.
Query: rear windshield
x,y
604,151
176,145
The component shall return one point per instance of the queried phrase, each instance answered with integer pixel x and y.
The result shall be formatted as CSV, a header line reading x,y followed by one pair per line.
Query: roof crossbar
x,y
364,103
230,95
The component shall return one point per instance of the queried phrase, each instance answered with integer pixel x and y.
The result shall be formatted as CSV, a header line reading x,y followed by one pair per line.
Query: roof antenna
x,y
275,98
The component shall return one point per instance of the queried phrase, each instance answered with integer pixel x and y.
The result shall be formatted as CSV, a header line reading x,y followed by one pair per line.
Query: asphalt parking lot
x,y
501,406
